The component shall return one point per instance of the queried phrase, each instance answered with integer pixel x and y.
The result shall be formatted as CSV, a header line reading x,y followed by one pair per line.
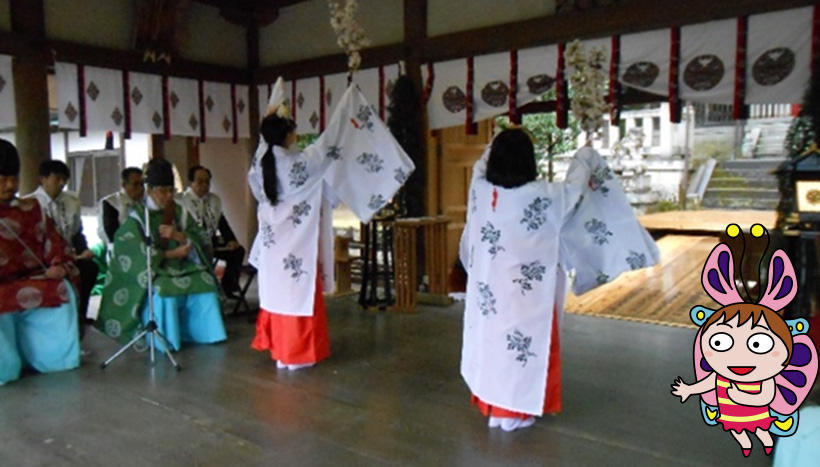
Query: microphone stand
x,y
151,326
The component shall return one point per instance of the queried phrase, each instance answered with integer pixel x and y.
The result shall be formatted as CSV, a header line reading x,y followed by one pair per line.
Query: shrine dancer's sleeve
x,y
600,236
479,171
366,165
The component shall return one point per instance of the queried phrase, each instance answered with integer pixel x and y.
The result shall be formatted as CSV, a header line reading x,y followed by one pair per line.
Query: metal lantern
x,y
806,173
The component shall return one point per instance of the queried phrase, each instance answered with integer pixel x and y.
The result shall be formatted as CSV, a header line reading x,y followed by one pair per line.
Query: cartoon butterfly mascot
x,y
753,368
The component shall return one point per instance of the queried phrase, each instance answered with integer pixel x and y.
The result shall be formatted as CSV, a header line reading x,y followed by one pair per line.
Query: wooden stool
x,y
434,230
342,264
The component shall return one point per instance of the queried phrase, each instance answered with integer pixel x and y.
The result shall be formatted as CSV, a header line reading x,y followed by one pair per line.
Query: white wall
x,y
106,23
5,16
137,150
446,16
208,38
229,164
303,30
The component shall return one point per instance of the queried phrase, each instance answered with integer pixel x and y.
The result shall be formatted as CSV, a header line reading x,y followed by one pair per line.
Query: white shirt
x,y
64,210
206,210
119,201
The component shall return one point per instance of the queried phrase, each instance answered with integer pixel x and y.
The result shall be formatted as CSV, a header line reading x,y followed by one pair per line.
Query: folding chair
x,y
250,272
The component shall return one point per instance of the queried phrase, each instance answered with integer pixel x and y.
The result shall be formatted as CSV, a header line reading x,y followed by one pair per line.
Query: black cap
x,y
159,173
9,160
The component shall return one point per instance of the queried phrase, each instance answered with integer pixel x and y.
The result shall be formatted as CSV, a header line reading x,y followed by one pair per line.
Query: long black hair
x,y
512,160
275,131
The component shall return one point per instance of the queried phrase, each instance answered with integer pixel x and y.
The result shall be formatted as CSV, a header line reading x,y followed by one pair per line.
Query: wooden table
x,y
705,221
434,231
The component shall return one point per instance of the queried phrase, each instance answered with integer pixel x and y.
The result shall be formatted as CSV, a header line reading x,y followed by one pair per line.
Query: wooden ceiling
x,y
250,12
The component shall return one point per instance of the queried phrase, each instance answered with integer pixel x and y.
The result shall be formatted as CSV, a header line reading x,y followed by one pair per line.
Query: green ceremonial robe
x,y
124,290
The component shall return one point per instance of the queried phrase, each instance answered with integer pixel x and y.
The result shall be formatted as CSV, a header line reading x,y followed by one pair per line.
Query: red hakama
x,y
294,340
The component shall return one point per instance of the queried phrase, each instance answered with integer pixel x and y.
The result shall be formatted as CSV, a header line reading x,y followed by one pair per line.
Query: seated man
x,y
64,209
38,306
113,209
206,208
186,303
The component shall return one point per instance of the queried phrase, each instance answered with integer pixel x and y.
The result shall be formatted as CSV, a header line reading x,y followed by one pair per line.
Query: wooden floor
x,y
662,294
390,394
705,222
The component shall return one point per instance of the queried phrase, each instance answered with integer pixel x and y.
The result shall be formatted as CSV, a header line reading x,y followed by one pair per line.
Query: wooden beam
x,y
337,63
65,51
13,44
630,96
28,17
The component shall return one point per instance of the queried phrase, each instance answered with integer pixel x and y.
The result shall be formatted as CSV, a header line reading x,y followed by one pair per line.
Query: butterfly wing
x,y
710,413
702,370
785,425
794,383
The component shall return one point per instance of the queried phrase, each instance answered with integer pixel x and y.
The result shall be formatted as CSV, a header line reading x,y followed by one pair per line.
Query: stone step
x,y
755,175
754,193
739,182
758,163
735,203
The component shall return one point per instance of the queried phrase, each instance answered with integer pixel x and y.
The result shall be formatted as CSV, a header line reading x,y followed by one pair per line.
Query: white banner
x,y
68,107
8,116
536,72
335,86
491,88
104,100
146,103
218,112
778,56
183,105
242,100
307,106
707,61
368,81
448,100
645,61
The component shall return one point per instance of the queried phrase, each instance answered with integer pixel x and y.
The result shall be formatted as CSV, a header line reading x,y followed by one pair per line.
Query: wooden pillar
x,y
252,44
415,33
157,147
32,135
252,40
191,153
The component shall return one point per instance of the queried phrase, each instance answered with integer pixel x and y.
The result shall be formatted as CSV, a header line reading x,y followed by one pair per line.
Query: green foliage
x,y
306,140
717,150
804,130
549,139
665,205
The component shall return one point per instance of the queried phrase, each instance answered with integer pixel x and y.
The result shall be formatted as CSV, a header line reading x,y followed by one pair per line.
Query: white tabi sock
x,y
280,365
510,424
494,422
300,366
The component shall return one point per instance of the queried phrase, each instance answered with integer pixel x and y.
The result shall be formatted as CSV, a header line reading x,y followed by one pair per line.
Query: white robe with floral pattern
x,y
516,246
357,161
